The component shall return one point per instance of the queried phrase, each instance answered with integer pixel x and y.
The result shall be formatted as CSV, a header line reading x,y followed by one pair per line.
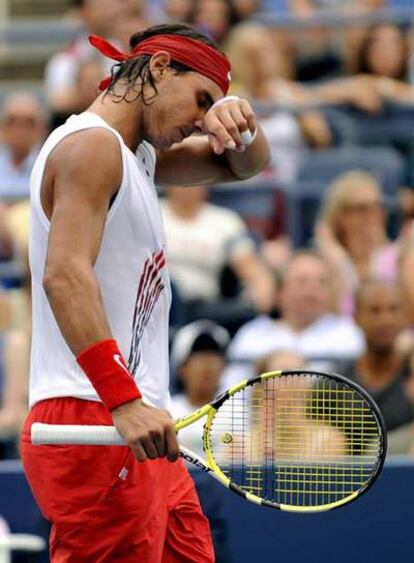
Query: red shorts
x,y
105,506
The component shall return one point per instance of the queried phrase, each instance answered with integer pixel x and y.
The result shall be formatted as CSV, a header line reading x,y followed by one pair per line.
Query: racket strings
x,y
302,440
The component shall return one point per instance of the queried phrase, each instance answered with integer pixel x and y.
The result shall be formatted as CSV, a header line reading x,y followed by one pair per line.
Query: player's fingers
x,y
248,113
149,447
159,442
172,448
139,452
239,119
216,145
217,128
231,126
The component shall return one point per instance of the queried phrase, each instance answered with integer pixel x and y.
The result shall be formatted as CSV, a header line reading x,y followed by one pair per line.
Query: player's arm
x,y
75,195
83,174
220,155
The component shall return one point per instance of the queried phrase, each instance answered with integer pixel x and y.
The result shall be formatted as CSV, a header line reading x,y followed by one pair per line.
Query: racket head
x,y
296,440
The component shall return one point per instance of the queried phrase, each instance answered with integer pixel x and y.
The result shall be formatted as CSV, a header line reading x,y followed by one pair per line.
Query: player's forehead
x,y
203,84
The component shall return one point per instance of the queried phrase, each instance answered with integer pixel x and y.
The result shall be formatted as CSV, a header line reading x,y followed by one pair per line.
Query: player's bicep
x,y
192,162
86,175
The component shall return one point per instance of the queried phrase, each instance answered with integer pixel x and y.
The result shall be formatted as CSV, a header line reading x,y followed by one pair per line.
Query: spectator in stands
x,y
256,65
280,359
351,233
383,63
245,9
201,240
384,52
319,49
197,356
98,17
310,7
404,255
174,11
296,434
23,123
6,234
89,74
198,359
381,370
306,324
256,72
14,367
213,17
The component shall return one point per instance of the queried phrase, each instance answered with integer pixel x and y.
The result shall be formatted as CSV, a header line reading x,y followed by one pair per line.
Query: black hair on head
x,y
138,68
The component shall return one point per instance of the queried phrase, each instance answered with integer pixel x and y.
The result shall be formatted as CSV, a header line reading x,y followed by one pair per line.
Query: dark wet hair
x,y
138,68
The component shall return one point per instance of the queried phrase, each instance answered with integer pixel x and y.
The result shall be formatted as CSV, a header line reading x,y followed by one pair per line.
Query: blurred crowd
x,y
309,265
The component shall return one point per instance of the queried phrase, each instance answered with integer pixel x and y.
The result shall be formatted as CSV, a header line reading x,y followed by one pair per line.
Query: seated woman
x,y
383,62
351,233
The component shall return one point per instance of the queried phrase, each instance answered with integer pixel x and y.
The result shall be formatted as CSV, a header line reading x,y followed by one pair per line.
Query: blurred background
x,y
311,263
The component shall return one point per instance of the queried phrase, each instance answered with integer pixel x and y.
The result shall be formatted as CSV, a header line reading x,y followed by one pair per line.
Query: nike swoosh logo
x,y
121,364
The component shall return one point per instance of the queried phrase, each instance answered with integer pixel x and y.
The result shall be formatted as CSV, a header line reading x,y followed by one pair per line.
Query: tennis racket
x,y
295,440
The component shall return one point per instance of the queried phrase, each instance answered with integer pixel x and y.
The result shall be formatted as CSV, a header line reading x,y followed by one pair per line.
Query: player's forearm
x,y
75,298
252,160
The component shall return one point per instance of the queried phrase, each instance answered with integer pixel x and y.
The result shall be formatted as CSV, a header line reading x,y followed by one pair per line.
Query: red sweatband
x,y
192,53
107,371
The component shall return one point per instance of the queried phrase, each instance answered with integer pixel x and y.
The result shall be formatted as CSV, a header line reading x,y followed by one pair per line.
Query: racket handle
x,y
74,434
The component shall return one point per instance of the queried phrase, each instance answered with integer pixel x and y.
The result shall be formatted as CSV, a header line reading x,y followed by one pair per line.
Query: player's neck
x,y
123,116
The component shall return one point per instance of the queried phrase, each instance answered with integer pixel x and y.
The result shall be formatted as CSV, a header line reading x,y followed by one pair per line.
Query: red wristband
x,y
107,371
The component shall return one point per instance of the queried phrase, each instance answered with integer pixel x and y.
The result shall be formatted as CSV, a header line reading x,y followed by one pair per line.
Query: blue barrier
x,y
375,529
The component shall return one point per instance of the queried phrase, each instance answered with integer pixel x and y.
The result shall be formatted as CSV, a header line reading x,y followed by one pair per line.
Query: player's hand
x,y
148,431
225,123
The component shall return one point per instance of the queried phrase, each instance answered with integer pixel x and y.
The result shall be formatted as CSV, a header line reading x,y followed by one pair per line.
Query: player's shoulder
x,y
92,140
86,150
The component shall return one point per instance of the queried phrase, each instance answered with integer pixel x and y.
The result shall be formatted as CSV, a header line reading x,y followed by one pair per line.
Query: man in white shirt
x,y
101,294
306,325
201,240
198,356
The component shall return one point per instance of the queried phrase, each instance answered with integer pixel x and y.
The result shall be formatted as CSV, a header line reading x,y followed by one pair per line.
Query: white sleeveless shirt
x,y
131,272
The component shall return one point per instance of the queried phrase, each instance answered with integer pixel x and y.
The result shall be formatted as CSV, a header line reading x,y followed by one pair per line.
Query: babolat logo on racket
x,y
194,461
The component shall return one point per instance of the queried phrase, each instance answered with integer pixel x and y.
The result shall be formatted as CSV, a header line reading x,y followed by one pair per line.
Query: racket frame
x,y
210,466
215,470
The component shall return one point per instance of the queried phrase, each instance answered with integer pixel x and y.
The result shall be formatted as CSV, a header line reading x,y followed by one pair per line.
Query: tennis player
x,y
101,295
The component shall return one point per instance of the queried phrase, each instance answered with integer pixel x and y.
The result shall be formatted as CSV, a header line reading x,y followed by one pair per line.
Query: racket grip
x,y
74,434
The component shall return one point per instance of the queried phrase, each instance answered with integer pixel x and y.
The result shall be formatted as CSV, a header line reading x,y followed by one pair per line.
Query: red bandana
x,y
195,54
